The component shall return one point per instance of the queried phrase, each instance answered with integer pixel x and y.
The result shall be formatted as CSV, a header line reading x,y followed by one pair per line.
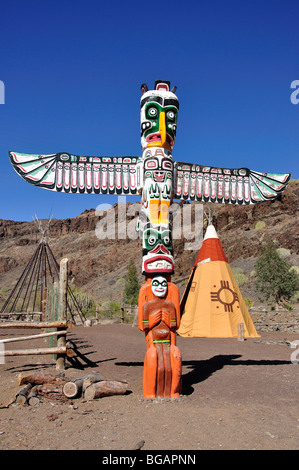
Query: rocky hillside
x,y
98,266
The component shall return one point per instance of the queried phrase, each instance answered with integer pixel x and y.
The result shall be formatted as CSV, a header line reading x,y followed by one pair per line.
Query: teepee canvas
x,y
212,304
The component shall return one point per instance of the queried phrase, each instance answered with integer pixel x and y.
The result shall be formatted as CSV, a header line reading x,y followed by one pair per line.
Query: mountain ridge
x,y
97,267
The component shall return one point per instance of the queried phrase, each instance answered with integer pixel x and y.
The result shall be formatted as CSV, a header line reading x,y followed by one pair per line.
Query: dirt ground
x,y
236,395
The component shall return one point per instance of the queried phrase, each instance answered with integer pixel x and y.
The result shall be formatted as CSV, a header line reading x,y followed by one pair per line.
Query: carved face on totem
x,y
159,286
157,166
157,250
159,113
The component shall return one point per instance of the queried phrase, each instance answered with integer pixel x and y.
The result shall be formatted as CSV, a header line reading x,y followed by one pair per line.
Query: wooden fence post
x,y
240,331
44,304
62,308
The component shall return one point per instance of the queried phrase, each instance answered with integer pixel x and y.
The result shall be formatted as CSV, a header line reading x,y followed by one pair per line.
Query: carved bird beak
x,y
162,128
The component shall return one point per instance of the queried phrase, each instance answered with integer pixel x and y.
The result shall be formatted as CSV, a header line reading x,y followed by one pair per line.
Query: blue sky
x,y
72,72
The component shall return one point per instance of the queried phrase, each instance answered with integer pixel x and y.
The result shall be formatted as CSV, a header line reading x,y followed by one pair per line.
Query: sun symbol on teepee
x,y
225,295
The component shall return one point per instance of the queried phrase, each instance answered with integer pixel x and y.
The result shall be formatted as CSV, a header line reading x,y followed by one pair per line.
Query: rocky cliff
x,y
98,266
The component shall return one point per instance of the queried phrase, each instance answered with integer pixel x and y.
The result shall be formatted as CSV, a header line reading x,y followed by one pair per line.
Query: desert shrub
x,y
295,269
283,252
131,290
241,279
275,281
289,307
259,225
110,308
295,297
85,301
237,270
248,302
120,282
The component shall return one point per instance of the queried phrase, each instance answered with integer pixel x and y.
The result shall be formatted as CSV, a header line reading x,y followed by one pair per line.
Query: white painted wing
x,y
233,186
70,173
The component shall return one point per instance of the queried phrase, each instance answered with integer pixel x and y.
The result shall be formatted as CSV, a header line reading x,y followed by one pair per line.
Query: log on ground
x,y
32,398
21,396
51,391
36,378
46,389
105,388
77,386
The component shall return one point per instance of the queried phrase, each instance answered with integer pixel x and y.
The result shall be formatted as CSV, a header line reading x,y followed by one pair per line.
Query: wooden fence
x,y
53,324
124,314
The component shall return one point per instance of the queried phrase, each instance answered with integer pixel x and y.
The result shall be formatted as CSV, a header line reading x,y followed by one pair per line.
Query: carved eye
x,y
171,115
151,240
151,164
152,112
166,164
166,240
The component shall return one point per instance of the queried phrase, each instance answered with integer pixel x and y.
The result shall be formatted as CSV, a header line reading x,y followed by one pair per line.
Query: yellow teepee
x,y
212,304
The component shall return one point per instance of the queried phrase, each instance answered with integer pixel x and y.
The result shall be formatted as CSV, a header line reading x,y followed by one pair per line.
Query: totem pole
x,y
159,180
159,301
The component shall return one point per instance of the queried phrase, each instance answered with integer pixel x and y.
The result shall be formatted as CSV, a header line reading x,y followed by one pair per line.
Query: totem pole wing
x,y
235,186
65,172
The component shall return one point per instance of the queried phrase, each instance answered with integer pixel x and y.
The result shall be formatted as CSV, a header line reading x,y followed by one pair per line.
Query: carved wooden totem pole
x,y
159,302
159,180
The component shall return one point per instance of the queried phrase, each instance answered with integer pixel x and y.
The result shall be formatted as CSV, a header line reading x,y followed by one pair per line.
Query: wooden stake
x,y
63,288
240,331
44,304
61,341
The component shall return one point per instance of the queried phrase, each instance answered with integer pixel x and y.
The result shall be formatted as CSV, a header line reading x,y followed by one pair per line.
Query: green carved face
x,y
159,115
156,241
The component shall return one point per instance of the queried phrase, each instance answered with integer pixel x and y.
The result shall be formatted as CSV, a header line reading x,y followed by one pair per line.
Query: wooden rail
x,y
40,324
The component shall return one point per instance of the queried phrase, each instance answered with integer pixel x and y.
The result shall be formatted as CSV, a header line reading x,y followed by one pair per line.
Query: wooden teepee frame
x,y
41,271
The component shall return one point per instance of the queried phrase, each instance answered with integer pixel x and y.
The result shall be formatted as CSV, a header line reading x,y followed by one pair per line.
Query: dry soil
x,y
235,395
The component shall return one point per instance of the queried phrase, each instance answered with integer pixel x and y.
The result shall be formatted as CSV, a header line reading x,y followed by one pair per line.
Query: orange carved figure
x,y
159,318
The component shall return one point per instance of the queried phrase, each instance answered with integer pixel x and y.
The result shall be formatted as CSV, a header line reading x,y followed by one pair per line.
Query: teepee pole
x,y
36,284
48,263
73,298
24,280
35,277
20,281
42,276
29,283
